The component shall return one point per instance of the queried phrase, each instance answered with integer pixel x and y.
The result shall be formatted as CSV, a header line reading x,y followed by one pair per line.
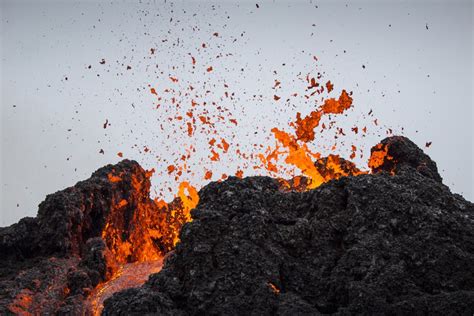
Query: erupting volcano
x,y
243,187
92,241
255,244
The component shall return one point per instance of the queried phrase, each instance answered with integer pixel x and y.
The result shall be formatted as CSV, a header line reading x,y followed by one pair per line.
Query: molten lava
x,y
140,234
298,153
378,156
299,156
129,275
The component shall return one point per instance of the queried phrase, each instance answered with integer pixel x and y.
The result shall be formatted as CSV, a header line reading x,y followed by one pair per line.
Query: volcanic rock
x,y
50,263
394,243
397,153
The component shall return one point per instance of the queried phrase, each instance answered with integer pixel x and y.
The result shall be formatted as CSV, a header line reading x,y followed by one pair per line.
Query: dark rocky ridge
x,y
402,153
397,244
68,218
50,263
371,244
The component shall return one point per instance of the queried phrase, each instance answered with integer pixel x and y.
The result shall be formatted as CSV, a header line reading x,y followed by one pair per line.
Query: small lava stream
x,y
128,276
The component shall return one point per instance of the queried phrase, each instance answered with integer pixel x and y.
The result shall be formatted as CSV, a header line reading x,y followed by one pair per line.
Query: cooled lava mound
x,y
394,242
82,237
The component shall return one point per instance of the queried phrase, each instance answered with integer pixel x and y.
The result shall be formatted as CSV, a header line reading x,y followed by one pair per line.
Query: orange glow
x,y
122,203
171,168
333,167
337,106
205,120
189,199
22,303
215,156
298,156
134,240
132,243
378,156
274,288
305,127
225,145
114,178
129,275
208,175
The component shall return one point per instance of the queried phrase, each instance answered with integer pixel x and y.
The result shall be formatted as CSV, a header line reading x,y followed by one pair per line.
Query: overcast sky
x,y
410,62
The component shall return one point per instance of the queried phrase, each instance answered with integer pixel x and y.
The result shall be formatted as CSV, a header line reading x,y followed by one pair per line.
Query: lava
x,y
129,275
378,156
139,232
139,235
140,239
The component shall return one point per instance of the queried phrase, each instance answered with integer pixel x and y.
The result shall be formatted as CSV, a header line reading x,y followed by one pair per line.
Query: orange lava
x,y
135,253
378,156
189,198
129,275
305,127
274,288
298,153
199,118
299,156
337,106
22,303
33,301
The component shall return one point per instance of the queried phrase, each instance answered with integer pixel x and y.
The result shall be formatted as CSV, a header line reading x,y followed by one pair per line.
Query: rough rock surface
x,y
68,218
49,264
393,242
401,154
398,244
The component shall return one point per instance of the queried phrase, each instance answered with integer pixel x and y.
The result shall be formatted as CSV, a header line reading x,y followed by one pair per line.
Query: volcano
x,y
395,241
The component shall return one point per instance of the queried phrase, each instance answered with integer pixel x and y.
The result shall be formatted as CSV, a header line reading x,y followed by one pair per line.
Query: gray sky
x,y
409,62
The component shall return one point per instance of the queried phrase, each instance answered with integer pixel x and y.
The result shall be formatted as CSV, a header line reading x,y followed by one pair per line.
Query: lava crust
x,y
80,238
393,242
396,242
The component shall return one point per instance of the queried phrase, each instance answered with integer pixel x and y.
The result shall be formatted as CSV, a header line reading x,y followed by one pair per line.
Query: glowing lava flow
x,y
140,241
138,233
128,275
298,153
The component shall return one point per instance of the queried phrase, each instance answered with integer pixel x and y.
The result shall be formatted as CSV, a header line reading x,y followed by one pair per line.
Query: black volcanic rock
x,y
50,263
403,154
397,244
68,218
394,242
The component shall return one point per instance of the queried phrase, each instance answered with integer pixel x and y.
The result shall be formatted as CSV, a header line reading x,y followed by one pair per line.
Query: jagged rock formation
x,y
397,153
396,242
393,242
50,263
